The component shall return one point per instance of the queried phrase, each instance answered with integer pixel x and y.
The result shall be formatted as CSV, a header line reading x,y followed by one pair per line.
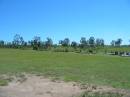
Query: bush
x,y
63,49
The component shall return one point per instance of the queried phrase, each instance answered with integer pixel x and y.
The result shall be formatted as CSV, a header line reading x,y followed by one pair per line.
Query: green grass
x,y
86,94
3,82
94,69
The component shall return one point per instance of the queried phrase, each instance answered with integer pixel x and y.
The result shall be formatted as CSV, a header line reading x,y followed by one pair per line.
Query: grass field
x,y
95,69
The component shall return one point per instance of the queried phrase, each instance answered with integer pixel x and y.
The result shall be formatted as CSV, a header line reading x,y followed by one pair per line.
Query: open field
x,y
94,69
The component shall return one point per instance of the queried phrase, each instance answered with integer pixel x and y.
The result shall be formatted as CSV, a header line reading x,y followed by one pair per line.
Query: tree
x,y
118,42
25,44
83,42
49,43
113,43
29,43
36,43
74,44
22,41
9,45
61,42
102,42
91,41
65,42
18,41
99,42
2,43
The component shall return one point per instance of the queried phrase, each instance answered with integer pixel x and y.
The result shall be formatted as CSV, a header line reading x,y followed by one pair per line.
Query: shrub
x,y
63,49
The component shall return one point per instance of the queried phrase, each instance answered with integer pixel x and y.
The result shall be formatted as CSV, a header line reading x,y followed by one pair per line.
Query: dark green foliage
x,y
48,43
18,41
74,44
2,43
36,42
113,43
83,42
91,45
65,42
117,42
91,41
99,42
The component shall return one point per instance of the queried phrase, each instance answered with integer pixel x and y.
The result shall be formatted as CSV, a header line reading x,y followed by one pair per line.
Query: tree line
x,y
37,44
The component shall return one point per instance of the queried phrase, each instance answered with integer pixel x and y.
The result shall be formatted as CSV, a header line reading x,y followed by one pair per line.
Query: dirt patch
x,y
104,90
39,86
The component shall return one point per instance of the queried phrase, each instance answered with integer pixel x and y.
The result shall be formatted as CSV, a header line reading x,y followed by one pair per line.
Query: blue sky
x,y
58,19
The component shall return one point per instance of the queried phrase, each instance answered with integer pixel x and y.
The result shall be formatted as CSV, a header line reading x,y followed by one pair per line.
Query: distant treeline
x,y
64,45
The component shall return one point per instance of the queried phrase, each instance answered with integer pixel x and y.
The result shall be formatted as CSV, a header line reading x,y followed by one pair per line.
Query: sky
x,y
58,19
